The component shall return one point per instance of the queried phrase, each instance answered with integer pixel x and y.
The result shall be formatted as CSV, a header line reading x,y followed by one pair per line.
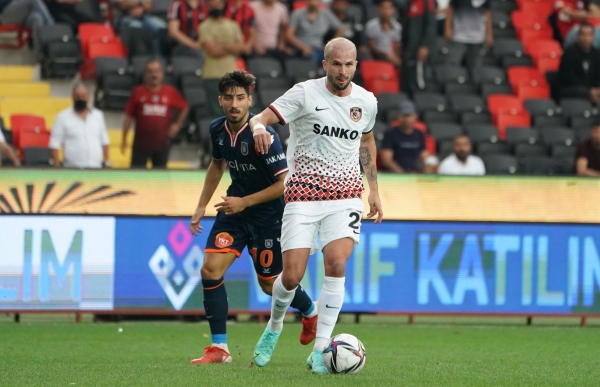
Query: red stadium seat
x,y
538,7
545,64
22,35
507,119
532,33
379,76
88,33
521,20
377,86
518,74
430,145
547,47
111,48
504,103
19,122
34,138
240,64
303,4
533,90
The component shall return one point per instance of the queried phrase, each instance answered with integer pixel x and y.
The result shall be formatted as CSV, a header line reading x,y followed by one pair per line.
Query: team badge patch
x,y
268,243
244,148
356,114
155,98
223,240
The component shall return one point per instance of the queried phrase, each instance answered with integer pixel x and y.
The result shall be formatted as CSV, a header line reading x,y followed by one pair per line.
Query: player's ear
x,y
249,99
220,103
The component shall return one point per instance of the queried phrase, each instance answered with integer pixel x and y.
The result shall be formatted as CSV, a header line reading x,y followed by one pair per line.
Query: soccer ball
x,y
345,354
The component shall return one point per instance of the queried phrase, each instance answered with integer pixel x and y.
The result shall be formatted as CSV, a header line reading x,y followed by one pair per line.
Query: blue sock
x,y
215,305
302,302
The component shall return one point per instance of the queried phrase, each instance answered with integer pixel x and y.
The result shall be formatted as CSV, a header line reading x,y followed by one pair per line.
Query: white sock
x,y
329,306
282,298
222,346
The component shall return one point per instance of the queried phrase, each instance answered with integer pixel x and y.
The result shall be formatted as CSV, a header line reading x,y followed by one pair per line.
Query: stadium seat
x,y
583,122
240,64
63,59
192,81
508,48
450,73
560,151
268,96
92,32
185,65
443,132
489,89
111,48
521,20
518,74
296,68
507,103
489,74
575,107
558,136
379,86
533,90
467,118
523,149
540,106
444,148
21,122
543,120
491,148
543,48
468,103
449,53
20,32
432,117
452,89
265,83
542,8
545,64
503,5
116,89
518,135
265,66
500,164
566,165
371,70
482,133
505,119
33,137
510,61
54,33
430,144
535,33
160,7
426,101
387,101
138,40
539,165
37,156
195,97
379,130
36,90
108,65
501,20
581,134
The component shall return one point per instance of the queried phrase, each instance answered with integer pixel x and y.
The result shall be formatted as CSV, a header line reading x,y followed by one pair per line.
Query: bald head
x,y
81,97
339,46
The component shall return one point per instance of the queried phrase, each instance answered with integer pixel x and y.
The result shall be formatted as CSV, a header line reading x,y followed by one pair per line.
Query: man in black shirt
x,y
579,72
588,154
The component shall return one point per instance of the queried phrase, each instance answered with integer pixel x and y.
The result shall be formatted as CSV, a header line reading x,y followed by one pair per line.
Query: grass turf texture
x,y
55,351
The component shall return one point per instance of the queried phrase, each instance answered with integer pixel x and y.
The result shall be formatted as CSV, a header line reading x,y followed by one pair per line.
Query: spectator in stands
x,y
579,72
384,34
29,13
184,19
353,23
569,14
271,20
8,151
587,159
151,106
470,22
461,161
308,28
242,13
403,147
418,39
75,12
81,132
222,42
136,14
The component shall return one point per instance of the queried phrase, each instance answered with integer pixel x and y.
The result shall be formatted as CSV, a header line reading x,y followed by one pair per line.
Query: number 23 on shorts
x,y
354,222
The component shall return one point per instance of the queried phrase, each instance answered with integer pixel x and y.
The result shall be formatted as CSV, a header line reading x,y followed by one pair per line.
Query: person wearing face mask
x,y
81,132
223,43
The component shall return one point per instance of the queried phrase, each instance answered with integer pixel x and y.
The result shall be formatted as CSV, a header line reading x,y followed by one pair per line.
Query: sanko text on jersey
x,y
335,132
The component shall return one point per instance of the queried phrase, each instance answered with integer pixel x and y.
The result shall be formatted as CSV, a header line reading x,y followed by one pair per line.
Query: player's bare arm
x,y
368,154
232,205
258,126
215,172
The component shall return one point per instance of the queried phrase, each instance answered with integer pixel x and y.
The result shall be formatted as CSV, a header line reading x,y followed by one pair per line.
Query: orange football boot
x,y
213,355
309,330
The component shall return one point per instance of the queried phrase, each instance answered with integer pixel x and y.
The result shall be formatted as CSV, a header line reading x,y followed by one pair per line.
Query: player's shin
x,y
282,298
303,303
329,306
215,305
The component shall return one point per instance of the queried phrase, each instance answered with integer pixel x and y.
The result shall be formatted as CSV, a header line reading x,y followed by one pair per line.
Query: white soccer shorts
x,y
301,231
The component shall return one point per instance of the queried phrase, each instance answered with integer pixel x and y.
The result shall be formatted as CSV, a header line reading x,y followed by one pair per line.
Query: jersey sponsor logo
x,y
335,132
266,270
223,239
244,148
355,113
268,243
240,166
154,110
274,159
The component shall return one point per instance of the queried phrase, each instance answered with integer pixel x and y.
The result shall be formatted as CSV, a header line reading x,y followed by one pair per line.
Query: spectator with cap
x,y
308,28
384,34
579,71
587,158
461,161
403,146
470,22
81,132
184,19
271,21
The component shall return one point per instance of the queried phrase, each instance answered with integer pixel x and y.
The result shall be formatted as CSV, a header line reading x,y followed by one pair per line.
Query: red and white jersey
x,y
323,148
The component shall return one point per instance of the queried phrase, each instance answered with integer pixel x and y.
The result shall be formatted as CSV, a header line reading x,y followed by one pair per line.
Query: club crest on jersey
x,y
356,114
268,243
244,148
223,240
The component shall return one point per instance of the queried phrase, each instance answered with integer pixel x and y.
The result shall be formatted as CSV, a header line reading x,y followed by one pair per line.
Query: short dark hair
x,y
236,78
585,24
152,60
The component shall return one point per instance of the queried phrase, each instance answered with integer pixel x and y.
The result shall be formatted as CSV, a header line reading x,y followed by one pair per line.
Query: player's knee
x,y
266,286
208,272
335,267
290,281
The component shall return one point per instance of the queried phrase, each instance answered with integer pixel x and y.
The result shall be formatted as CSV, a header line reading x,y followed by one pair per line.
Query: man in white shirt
x,y
81,132
461,162
331,133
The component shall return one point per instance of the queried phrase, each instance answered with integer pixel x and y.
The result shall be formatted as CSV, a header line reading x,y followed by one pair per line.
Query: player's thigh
x,y
299,231
265,249
227,239
340,232
216,264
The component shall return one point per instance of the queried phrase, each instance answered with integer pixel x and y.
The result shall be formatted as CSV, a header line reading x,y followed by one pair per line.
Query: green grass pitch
x,y
55,351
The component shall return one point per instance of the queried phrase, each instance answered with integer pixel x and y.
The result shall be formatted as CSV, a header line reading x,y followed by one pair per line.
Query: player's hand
x,y
195,227
123,147
307,50
231,205
262,139
375,207
173,129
